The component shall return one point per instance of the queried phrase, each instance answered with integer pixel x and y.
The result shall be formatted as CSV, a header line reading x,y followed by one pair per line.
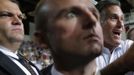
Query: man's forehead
x,y
57,4
1,1
115,9
63,2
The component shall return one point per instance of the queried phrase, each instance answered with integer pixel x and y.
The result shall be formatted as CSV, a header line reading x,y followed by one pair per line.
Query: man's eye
x,y
113,17
70,15
6,15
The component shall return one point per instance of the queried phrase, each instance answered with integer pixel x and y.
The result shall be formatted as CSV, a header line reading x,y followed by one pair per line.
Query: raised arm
x,y
122,65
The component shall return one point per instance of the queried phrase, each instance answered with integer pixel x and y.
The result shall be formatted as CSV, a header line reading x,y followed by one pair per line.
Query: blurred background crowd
x,y
39,56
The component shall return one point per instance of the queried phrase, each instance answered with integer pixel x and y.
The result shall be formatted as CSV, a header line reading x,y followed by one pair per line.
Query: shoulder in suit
x,y
8,67
47,70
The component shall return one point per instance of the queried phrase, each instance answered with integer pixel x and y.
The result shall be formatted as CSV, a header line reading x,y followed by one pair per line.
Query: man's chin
x,y
117,42
97,49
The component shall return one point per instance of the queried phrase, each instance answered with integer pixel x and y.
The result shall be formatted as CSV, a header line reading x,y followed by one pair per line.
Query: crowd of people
x,y
130,34
41,57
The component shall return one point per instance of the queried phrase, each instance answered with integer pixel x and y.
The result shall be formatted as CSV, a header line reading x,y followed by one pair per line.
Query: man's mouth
x,y
91,37
117,33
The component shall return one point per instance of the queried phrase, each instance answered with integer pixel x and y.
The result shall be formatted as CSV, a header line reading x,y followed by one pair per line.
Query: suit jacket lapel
x,y
9,65
35,67
30,63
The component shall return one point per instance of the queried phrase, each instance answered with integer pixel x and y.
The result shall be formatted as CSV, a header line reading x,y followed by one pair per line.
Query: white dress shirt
x,y
107,57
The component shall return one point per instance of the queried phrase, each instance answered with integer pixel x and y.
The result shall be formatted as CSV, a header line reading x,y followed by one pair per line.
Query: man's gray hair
x,y
103,4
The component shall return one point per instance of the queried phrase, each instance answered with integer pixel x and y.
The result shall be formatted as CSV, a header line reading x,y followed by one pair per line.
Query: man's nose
x,y
89,21
16,20
120,23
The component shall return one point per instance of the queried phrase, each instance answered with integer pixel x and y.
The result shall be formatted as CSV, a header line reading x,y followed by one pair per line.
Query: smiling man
x,y
112,21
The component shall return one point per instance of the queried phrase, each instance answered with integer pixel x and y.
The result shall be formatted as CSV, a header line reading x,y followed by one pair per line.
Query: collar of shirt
x,y
54,71
8,52
107,51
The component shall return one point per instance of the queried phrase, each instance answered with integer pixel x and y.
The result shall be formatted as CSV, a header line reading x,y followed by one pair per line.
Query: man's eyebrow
x,y
3,11
61,12
21,15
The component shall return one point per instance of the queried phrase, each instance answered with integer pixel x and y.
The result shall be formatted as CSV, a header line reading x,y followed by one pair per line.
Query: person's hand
x,y
128,59
122,65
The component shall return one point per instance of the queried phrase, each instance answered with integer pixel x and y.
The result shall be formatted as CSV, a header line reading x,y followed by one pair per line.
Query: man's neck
x,y
110,47
89,69
13,47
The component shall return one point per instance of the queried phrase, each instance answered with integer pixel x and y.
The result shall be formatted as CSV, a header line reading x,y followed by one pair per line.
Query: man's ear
x,y
41,39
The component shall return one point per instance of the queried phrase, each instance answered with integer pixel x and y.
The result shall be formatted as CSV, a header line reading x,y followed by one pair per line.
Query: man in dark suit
x,y
72,31
11,36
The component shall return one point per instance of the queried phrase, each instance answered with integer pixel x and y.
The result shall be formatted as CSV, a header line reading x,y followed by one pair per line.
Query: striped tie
x,y
26,64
